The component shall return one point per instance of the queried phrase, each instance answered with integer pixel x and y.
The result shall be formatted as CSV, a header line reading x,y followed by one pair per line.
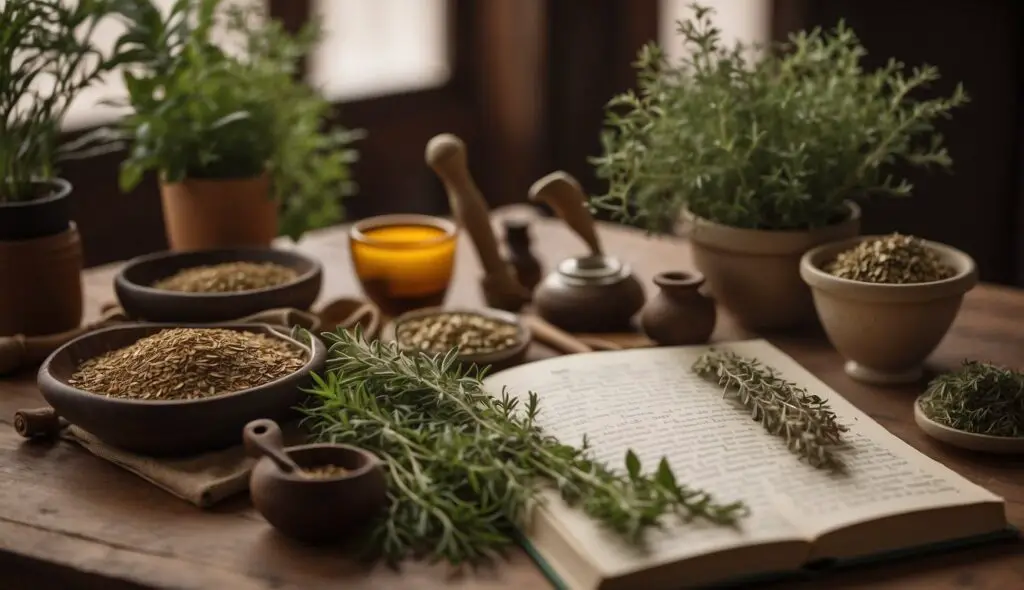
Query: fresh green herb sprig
x,y
805,421
774,138
465,467
980,398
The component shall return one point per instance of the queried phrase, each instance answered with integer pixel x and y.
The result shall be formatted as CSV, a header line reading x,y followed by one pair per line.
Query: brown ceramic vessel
x,y
41,284
497,361
679,314
886,331
313,510
142,301
755,274
202,214
169,427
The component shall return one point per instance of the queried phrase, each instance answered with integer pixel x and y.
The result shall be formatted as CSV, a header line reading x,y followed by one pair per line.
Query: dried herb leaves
x,y
189,363
473,333
980,398
229,277
894,259
785,409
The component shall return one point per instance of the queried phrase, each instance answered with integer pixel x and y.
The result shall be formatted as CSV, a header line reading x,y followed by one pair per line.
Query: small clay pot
x,y
590,294
755,274
679,314
886,331
202,214
41,284
313,510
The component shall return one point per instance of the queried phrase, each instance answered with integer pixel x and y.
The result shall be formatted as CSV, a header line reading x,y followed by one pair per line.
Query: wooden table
x,y
69,520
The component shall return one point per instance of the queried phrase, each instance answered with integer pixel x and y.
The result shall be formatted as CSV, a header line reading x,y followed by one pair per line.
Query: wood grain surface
x,y
69,520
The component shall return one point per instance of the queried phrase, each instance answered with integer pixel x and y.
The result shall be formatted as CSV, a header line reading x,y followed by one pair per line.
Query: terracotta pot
x,y
202,214
41,284
886,331
679,314
46,216
755,274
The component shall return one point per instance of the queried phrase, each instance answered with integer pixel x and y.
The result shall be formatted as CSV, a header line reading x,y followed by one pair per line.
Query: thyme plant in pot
x,y
47,57
237,140
762,152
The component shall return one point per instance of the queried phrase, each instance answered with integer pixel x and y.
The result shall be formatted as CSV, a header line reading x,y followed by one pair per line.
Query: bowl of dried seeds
x,y
206,286
164,389
886,302
485,337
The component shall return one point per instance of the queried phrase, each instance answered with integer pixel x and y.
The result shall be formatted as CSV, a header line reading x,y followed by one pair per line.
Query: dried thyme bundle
x,y
980,398
464,467
894,259
805,421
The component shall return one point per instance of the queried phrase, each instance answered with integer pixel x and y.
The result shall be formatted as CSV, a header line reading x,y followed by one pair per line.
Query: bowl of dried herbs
x,y
204,286
979,407
167,389
886,301
483,337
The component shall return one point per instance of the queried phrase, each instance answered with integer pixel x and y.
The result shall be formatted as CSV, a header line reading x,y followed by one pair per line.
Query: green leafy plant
x,y
47,57
204,108
770,138
804,421
464,467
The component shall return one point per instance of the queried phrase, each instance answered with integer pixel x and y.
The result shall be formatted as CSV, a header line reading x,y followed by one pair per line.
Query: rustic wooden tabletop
x,y
69,520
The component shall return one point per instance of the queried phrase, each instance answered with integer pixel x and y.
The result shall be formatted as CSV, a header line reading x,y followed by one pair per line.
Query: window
x,y
747,21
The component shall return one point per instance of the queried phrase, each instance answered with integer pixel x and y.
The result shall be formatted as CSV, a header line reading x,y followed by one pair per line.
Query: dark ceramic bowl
x,y
143,302
169,427
498,360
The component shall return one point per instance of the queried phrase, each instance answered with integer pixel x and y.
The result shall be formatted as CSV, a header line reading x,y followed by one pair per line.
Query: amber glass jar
x,y
404,262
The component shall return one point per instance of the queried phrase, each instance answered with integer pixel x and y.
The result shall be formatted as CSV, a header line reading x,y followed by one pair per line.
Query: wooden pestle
x,y
560,191
446,154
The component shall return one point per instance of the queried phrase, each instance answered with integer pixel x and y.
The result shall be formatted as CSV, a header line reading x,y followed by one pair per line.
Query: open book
x,y
890,496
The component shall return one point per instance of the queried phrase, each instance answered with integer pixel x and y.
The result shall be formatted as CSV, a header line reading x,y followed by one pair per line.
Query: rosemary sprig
x,y
785,409
981,398
465,467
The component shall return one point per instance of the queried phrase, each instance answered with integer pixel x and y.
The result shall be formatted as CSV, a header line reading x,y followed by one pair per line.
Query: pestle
x,y
264,438
446,154
565,196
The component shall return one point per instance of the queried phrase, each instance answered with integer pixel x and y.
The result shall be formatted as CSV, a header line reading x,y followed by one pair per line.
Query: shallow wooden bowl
x,y
133,285
984,443
169,427
497,361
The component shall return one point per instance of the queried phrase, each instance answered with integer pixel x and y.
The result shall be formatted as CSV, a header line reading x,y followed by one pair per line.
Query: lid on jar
x,y
594,269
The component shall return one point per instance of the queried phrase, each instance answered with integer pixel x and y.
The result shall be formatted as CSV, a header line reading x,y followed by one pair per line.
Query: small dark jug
x,y
679,314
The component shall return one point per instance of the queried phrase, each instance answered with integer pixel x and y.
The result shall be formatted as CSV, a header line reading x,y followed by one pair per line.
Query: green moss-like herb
x,y
777,143
464,467
980,398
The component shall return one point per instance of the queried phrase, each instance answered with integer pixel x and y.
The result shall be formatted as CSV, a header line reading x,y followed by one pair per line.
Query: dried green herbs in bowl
x,y
165,389
484,337
207,286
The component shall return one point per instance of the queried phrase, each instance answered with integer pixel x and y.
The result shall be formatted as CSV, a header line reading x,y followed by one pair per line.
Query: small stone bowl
x,y
313,510
886,331
498,360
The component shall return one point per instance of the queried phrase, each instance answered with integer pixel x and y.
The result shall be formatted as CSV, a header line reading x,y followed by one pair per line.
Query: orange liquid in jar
x,y
404,267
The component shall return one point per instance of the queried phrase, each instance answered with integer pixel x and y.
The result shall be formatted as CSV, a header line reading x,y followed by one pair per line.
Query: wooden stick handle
x,y
38,423
446,154
560,191
554,337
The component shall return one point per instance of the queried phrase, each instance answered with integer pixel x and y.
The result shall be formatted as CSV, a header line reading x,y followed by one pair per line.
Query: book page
x,y
650,401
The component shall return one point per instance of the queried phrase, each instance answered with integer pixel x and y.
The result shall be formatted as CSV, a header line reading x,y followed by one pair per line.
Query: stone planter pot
x,y
201,214
755,274
886,331
48,215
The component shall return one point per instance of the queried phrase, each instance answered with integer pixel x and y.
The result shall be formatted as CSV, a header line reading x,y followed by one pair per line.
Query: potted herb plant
x,y
47,57
235,137
762,152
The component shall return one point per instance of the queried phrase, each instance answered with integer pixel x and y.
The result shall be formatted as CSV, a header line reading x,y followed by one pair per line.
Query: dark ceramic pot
x,y
679,314
46,216
143,302
169,427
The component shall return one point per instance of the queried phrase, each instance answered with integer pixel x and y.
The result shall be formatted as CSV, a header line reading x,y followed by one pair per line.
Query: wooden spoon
x,y
263,437
560,191
446,154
